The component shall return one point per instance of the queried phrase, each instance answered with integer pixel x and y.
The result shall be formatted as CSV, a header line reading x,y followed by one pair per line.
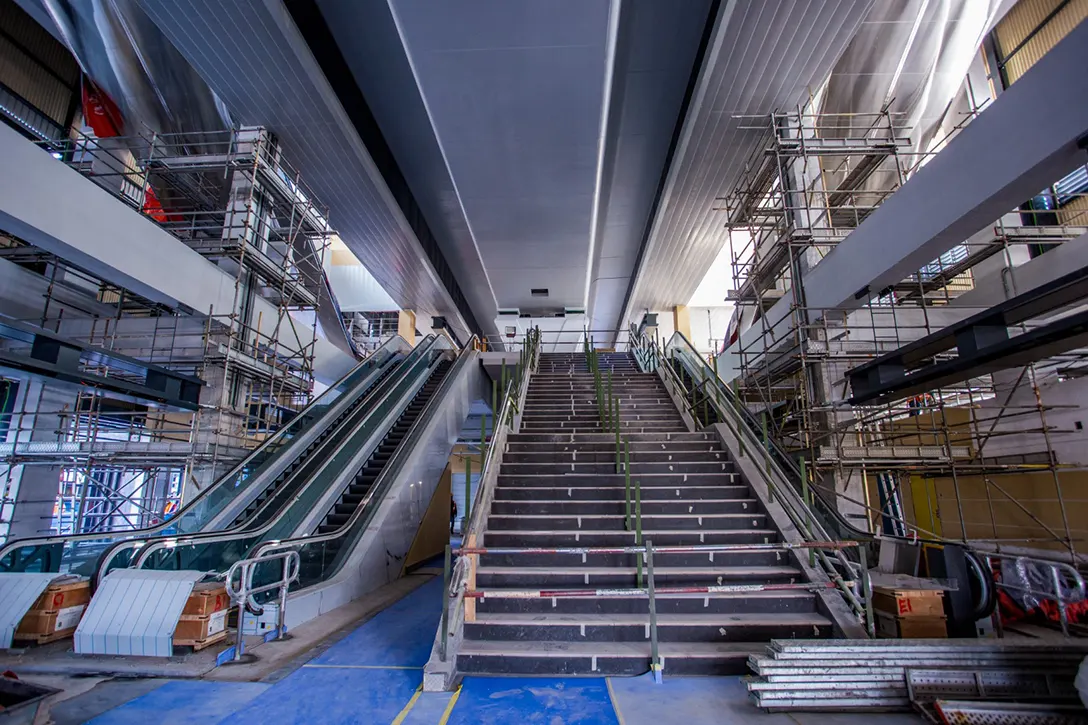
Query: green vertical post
x,y
468,495
495,397
617,427
627,484
638,528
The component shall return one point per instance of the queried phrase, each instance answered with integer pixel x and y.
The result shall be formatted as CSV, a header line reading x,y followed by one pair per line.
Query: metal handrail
x,y
454,578
242,595
15,544
809,528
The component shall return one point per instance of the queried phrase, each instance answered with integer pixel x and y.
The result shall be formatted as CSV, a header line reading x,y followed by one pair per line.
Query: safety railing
x,y
456,577
645,560
242,594
849,577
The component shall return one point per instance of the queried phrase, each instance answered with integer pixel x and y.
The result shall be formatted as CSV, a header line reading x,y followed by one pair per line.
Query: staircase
x,y
558,487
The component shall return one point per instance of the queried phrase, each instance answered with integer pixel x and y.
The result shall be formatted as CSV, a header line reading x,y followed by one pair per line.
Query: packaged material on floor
x,y
871,675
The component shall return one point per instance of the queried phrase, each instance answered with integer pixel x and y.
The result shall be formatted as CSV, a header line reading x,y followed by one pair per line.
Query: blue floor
x,y
373,676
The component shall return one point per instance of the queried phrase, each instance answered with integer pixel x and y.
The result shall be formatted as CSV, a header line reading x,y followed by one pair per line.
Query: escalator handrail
x,y
150,546
14,544
391,469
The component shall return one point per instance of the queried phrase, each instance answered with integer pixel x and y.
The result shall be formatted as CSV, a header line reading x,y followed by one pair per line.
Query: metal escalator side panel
x,y
80,553
216,551
405,486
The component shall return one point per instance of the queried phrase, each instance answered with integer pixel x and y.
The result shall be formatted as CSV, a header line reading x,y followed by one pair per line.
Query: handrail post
x,y
656,666
617,427
445,629
638,527
627,484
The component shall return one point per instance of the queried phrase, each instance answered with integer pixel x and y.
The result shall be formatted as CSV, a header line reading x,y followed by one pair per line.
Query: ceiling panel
x,y
367,36
515,92
656,56
763,57
251,53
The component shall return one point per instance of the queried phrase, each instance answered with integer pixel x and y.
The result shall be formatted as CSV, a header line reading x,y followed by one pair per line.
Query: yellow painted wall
x,y
1024,17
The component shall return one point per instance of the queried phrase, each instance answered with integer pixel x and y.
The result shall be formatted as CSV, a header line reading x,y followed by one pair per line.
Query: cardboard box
x,y
192,629
207,598
909,602
915,627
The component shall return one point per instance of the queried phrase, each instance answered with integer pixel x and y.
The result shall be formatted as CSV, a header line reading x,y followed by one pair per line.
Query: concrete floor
x,y
372,674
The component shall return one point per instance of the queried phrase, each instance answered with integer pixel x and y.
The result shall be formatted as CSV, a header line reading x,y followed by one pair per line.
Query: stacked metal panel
x,y
871,675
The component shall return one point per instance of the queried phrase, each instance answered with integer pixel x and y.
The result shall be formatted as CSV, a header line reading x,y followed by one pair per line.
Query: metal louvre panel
x,y
1024,18
764,57
17,593
135,612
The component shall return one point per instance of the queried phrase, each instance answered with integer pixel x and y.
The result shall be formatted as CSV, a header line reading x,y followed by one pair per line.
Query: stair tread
x,y
755,571
536,648
724,619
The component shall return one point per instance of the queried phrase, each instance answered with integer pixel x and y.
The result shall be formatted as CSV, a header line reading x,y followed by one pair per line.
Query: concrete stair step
x,y
578,455
636,627
637,467
550,538
773,602
693,559
636,446
569,479
606,522
618,493
650,507
625,576
600,436
596,659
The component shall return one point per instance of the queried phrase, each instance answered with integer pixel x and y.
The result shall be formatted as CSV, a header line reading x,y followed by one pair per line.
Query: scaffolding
x,y
979,460
230,197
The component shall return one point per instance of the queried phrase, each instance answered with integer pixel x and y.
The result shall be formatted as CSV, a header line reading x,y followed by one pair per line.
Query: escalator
x,y
230,499
249,515
355,493
337,481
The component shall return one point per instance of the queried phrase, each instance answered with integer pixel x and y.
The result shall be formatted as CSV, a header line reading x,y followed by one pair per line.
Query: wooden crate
x,y
193,629
909,602
914,627
56,613
207,598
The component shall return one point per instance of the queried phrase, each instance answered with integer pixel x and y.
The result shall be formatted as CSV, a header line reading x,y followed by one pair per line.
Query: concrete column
x,y
406,326
681,320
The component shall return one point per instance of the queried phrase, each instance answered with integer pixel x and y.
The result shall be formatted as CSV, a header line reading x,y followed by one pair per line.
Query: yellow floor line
x,y
449,707
408,708
364,667
612,697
